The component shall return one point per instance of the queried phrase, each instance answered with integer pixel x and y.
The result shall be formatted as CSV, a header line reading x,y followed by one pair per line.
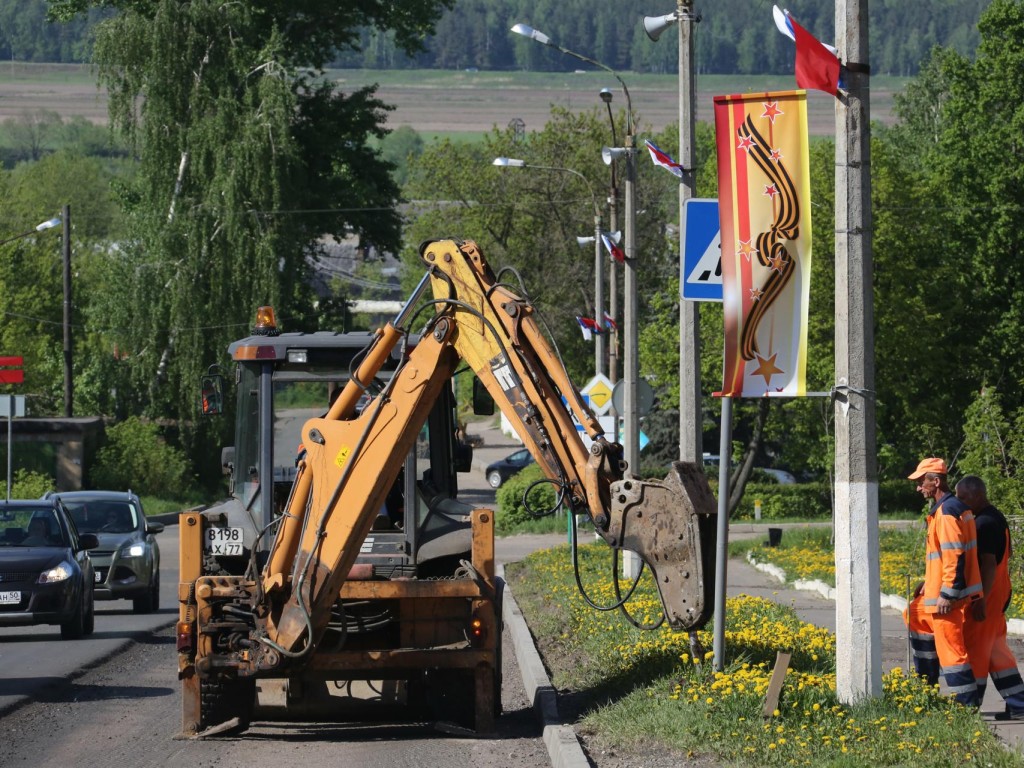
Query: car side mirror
x,y
154,527
88,540
483,403
211,398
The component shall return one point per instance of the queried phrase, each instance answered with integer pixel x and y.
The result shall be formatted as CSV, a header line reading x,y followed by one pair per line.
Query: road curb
x,y
564,748
1013,626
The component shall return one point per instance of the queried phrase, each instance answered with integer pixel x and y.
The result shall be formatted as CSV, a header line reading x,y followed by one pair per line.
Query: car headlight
x,y
61,572
135,550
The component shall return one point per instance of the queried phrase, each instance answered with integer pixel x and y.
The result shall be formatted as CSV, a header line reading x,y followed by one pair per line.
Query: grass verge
x,y
631,689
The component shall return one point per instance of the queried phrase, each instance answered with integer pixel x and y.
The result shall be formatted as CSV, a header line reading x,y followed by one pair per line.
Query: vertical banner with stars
x,y
765,216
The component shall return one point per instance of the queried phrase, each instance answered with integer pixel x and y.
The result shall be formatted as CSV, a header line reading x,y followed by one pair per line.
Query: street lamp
x,y
65,219
511,162
631,369
613,225
48,224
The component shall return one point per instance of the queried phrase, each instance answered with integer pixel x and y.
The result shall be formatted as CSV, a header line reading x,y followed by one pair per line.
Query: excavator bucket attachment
x,y
671,525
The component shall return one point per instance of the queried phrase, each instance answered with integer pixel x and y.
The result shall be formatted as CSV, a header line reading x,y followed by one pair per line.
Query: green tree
x,y
247,156
529,218
31,276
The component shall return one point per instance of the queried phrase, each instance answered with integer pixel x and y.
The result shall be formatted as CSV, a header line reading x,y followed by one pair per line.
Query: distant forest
x,y
732,37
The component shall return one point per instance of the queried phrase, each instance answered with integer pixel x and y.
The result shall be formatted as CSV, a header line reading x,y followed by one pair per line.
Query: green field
x,y
459,104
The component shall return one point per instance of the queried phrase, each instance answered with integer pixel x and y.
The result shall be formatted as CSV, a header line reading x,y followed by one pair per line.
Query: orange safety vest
x,y
951,555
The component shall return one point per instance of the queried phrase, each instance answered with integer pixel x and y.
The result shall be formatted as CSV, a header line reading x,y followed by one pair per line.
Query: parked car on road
x,y
127,560
46,574
501,470
760,474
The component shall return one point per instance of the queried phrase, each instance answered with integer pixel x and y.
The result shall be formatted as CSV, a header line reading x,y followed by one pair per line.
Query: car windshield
x,y
31,527
103,516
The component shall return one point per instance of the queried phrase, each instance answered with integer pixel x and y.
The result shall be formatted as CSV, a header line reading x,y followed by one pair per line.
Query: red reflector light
x,y
475,631
184,633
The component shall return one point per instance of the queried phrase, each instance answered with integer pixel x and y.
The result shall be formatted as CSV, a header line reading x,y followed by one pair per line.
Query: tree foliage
x,y
247,156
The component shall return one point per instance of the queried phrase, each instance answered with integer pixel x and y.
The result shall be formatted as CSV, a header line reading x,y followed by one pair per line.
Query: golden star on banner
x,y
766,368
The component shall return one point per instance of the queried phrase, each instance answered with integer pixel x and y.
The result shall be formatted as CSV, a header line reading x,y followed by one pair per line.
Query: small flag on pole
x,y
817,65
664,159
588,326
613,250
609,323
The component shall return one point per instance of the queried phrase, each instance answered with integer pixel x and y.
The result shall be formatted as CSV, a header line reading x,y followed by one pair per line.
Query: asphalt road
x,y
113,699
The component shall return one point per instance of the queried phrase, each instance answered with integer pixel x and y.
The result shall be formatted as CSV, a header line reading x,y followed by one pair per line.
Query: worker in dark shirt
x,y
985,628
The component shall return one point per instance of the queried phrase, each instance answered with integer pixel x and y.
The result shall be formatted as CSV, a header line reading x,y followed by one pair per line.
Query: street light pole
x,y
66,253
511,162
631,370
613,225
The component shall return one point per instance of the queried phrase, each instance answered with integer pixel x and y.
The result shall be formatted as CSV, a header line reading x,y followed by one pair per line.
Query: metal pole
x,y
613,226
599,298
613,286
858,609
68,380
10,441
722,543
691,419
631,563
631,369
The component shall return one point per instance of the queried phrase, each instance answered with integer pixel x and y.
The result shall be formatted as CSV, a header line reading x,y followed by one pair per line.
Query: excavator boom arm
x,y
669,524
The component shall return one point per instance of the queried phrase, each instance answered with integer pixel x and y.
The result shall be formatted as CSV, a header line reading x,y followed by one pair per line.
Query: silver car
x,y
127,560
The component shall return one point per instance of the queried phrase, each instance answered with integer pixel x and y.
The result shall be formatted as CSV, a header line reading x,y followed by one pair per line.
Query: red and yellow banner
x,y
765,216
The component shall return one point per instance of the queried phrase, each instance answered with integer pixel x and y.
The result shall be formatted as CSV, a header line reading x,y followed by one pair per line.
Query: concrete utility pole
x,y
858,610
66,253
691,420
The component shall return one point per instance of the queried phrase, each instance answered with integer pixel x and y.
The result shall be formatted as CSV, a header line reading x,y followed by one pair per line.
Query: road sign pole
x,y
10,441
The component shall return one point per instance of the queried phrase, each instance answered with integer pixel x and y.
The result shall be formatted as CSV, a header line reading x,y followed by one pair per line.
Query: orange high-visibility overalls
x,y
951,570
986,640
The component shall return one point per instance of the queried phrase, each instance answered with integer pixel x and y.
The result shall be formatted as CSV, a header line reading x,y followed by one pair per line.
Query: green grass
x,y
640,693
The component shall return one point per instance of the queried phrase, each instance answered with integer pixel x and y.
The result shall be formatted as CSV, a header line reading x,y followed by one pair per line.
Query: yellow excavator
x,y
344,572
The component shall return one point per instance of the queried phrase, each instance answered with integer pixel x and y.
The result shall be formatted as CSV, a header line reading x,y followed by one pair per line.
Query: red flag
x,y
613,250
816,66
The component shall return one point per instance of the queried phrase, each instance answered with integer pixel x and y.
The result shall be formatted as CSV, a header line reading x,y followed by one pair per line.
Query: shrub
x,y
28,485
511,511
810,500
136,457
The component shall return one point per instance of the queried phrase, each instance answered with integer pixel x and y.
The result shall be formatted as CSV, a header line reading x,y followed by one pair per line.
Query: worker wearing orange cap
x,y
952,581
985,628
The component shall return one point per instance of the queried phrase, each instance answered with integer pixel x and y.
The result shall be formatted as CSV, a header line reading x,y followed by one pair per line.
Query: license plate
x,y
223,541
10,598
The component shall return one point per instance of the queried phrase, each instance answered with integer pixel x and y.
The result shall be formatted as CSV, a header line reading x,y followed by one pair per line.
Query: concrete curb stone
x,y
563,747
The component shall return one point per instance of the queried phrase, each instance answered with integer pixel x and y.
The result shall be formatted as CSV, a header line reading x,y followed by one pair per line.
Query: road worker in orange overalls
x,y
952,581
985,630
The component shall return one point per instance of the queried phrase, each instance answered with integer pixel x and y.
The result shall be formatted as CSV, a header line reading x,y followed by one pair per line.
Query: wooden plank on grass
x,y
771,699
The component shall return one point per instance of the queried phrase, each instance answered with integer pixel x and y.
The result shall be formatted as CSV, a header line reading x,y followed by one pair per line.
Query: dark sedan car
x,y
127,559
46,575
501,470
